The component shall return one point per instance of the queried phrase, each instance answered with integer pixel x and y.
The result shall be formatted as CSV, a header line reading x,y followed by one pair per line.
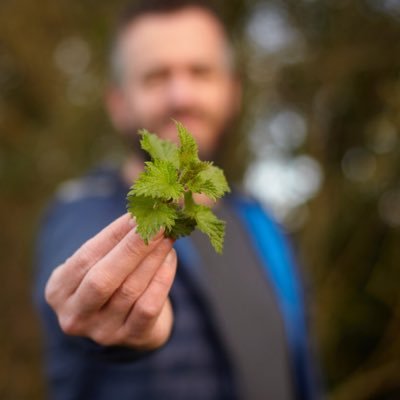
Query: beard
x,y
164,127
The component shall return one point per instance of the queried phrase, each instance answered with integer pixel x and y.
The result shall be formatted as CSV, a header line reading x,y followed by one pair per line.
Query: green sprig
x,y
162,196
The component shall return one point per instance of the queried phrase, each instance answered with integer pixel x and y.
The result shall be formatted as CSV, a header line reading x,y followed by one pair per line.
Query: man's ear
x,y
118,109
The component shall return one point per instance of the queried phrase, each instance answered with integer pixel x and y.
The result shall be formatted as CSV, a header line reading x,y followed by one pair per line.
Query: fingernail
x,y
132,222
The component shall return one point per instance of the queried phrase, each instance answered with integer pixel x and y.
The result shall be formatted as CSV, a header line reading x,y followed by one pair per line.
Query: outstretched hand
x,y
114,289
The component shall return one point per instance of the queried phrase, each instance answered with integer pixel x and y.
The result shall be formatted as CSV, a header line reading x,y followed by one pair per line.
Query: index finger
x,y
99,284
70,274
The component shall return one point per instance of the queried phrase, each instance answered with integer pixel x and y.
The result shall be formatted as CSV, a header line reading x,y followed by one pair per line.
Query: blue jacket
x,y
201,360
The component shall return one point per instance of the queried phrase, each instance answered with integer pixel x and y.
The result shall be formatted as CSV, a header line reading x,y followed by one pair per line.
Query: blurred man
x,y
124,322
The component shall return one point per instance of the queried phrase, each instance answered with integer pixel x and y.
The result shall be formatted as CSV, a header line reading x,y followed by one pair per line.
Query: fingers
x,y
158,333
144,324
108,274
114,289
66,278
116,310
148,309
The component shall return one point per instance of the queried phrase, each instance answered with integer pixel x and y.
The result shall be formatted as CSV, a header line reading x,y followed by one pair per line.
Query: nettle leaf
x,y
211,225
162,196
151,215
191,172
159,149
206,187
216,177
159,180
188,152
210,181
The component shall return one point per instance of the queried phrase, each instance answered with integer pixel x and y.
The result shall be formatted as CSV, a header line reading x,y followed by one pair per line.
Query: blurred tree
x,y
348,88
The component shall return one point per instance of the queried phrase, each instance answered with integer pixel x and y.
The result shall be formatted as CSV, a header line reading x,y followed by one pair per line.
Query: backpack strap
x,y
280,268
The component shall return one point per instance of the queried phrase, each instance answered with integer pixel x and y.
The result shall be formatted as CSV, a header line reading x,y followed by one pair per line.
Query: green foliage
x,y
159,149
211,181
159,181
188,152
151,215
208,223
162,196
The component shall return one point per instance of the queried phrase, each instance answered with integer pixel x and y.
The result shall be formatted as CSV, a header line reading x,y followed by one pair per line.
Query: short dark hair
x,y
140,8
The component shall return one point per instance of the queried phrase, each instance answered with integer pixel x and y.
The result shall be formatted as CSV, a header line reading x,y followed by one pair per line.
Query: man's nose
x,y
181,92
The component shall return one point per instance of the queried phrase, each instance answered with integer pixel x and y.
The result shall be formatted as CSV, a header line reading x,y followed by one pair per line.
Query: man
x,y
124,322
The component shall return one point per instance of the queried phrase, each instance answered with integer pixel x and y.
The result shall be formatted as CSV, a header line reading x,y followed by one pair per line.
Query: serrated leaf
x,y
206,187
206,221
159,180
211,181
159,149
216,177
211,225
151,215
191,171
173,175
188,152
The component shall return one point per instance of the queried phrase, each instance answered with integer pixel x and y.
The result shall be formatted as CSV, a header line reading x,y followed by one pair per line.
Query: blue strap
x,y
274,252
278,264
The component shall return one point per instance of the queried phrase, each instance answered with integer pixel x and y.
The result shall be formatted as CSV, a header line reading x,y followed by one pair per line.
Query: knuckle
x,y
130,291
146,311
163,280
82,258
70,324
98,286
51,291
134,247
103,338
114,237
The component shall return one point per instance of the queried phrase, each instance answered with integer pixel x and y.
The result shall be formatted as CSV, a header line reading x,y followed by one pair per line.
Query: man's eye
x,y
203,72
155,78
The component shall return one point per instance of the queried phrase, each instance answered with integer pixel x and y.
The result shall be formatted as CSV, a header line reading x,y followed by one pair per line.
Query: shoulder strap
x,y
243,308
277,260
281,270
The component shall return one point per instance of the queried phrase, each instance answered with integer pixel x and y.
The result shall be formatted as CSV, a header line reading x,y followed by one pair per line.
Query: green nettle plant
x,y
162,196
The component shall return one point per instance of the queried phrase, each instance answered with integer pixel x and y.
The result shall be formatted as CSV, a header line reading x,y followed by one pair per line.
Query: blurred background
x,y
321,135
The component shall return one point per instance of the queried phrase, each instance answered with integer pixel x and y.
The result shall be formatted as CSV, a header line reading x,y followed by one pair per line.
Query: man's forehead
x,y
191,32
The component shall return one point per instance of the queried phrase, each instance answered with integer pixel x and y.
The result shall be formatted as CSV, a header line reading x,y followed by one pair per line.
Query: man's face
x,y
176,65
